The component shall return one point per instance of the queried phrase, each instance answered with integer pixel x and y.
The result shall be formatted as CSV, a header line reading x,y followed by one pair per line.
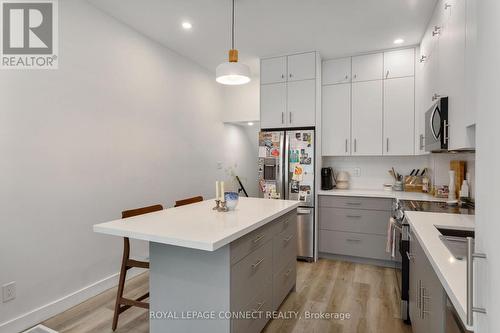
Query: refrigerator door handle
x,y
303,211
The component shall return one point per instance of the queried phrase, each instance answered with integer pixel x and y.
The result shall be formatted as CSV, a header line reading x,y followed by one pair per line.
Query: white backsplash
x,y
440,164
373,170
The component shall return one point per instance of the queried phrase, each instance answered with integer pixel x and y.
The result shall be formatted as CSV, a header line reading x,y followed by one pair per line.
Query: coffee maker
x,y
327,179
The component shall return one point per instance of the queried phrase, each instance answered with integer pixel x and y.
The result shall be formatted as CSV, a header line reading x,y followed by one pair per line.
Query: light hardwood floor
x,y
368,293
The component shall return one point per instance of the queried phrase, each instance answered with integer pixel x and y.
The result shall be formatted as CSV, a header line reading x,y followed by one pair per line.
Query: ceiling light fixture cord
x,y
232,30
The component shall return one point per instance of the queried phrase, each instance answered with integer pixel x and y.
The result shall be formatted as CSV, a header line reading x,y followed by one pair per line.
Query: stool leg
x,y
121,282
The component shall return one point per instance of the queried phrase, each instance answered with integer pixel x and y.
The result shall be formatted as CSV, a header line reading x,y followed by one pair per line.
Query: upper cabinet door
x,y
302,66
367,67
367,118
336,71
336,120
273,105
301,102
399,116
273,70
399,63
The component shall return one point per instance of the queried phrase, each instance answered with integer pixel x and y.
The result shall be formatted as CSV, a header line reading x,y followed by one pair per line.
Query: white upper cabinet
x,y
367,67
336,119
449,67
273,70
367,117
399,116
452,73
273,105
288,93
301,103
302,66
336,71
400,63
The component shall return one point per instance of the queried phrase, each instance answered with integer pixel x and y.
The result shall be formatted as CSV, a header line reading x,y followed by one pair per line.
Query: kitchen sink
x,y
456,232
456,241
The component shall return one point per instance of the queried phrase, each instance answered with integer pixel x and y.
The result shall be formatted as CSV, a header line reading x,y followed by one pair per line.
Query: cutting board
x,y
459,168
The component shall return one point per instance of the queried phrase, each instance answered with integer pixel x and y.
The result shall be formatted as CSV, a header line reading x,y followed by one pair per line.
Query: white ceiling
x,y
269,27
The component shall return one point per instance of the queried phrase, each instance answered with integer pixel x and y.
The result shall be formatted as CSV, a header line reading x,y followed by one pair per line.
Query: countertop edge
x,y
374,193
461,311
204,246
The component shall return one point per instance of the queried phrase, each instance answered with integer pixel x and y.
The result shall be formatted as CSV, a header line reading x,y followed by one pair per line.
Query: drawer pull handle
x,y
353,240
261,304
354,216
258,238
288,272
289,238
353,203
254,266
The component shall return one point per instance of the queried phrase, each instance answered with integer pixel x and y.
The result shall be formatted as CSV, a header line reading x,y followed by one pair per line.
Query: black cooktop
x,y
436,207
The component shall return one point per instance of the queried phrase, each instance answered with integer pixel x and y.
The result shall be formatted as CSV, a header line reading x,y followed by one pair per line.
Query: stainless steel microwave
x,y
436,126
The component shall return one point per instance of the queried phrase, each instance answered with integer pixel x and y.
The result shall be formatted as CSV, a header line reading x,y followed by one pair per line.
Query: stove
x,y
403,238
435,207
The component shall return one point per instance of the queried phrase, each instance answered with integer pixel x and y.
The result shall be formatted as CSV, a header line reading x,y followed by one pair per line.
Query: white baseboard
x,y
38,315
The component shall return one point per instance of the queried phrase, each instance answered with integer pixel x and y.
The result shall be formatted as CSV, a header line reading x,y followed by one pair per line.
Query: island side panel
x,y
186,280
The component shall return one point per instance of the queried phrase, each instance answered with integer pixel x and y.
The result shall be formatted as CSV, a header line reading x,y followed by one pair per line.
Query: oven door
x,y
404,280
436,126
433,128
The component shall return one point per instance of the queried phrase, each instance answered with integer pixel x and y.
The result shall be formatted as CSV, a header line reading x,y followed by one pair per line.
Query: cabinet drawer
x,y
258,307
286,222
283,282
354,220
284,248
353,244
355,202
248,243
250,275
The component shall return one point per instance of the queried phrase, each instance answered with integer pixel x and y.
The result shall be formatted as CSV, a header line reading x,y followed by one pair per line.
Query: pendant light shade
x,y
232,72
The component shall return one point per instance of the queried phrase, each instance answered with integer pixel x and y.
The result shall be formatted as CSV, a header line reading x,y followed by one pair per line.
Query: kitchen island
x,y
212,271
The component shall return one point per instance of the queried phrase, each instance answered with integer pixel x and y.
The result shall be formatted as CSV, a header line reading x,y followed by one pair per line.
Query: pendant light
x,y
232,72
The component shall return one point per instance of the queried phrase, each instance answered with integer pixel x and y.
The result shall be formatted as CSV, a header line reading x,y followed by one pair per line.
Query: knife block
x,y
414,183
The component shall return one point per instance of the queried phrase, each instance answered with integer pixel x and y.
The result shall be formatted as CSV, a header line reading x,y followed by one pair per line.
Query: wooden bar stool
x,y
188,201
128,263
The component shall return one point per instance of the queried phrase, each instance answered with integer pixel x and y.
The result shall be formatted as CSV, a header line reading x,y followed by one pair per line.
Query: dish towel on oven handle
x,y
391,237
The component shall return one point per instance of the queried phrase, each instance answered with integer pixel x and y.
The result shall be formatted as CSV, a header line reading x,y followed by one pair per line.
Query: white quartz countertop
x,y
451,272
197,226
374,193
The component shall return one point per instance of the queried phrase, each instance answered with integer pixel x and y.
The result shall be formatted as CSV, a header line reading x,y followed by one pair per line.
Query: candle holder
x,y
222,207
217,205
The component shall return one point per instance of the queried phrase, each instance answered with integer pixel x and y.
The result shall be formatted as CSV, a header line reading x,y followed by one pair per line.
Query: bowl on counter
x,y
231,199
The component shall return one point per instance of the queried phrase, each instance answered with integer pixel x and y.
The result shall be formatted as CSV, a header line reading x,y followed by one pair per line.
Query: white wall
x,y
487,288
440,166
241,157
123,123
242,103
374,169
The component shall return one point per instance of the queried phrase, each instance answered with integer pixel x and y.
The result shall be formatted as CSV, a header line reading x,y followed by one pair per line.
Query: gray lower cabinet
x,y
427,296
263,271
354,226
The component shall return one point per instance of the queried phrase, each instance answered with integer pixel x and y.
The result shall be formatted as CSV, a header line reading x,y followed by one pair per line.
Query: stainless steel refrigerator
x,y
286,171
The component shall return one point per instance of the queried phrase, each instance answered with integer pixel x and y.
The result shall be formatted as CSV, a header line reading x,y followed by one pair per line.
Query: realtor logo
x,y
29,34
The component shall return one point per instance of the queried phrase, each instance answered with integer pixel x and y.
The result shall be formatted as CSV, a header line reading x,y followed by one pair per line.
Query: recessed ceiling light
x,y
250,123
186,25
399,41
